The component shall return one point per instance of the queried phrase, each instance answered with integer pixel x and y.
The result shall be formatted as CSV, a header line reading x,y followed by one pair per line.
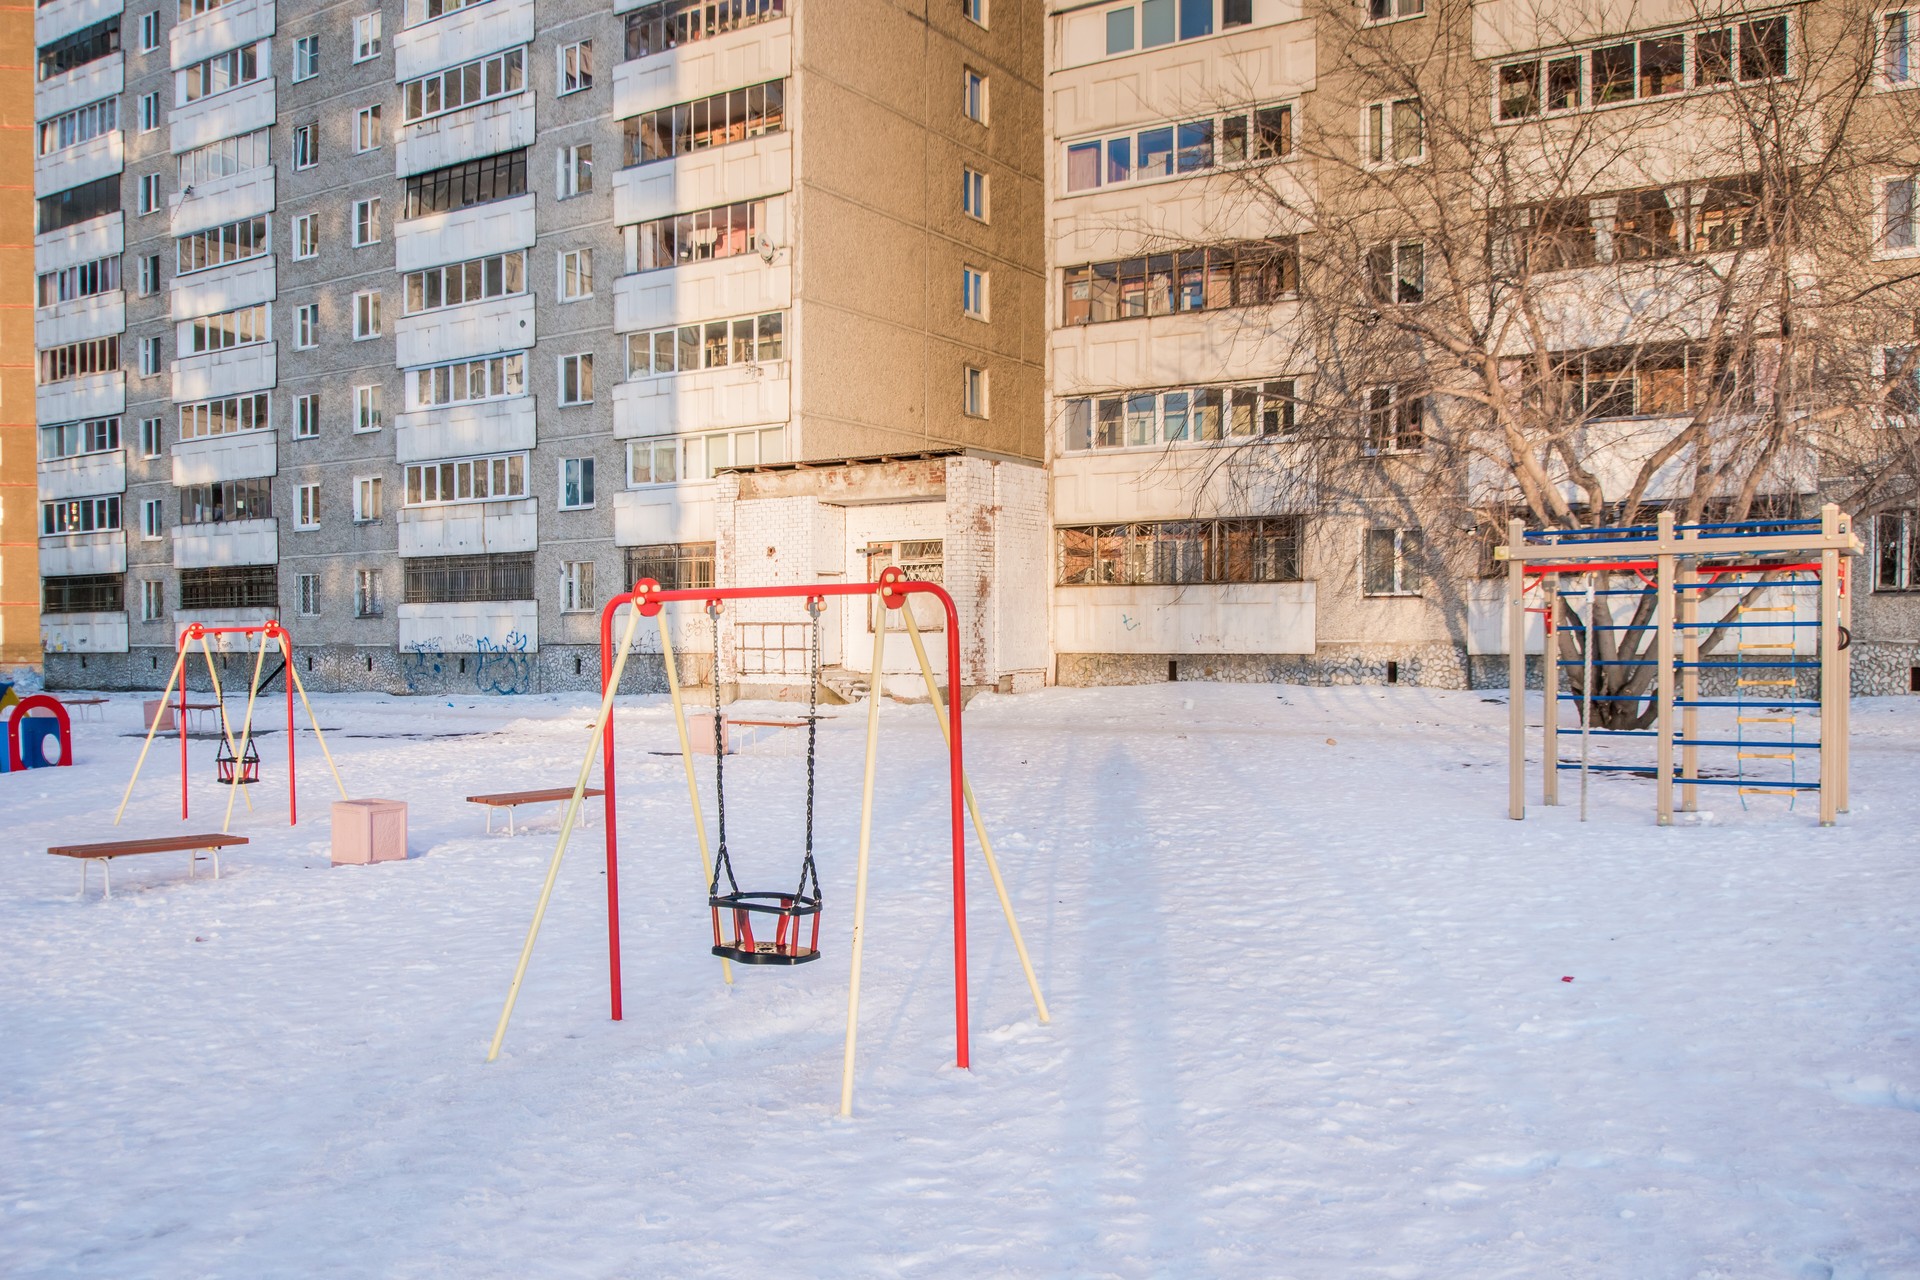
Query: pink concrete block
x,y
700,733
154,707
369,831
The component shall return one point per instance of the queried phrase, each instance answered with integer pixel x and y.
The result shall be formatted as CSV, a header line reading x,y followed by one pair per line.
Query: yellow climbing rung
x,y
1764,719
1764,755
1779,683
1772,791
1765,646
1763,608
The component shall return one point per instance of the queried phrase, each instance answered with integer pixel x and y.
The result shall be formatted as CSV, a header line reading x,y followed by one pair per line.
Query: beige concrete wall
x,y
19,508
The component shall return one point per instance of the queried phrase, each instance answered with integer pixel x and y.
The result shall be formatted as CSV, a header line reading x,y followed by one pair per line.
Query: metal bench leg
x,y
106,878
83,878
510,809
215,853
489,809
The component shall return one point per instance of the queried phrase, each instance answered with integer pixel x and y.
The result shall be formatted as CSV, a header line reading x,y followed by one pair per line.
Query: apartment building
x,y
427,326
19,509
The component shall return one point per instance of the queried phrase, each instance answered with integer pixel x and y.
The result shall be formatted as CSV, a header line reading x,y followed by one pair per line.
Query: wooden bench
x,y
700,731
106,852
511,800
86,708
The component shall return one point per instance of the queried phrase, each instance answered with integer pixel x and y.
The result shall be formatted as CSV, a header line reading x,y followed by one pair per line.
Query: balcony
x,y
231,542
746,395
1194,618
666,513
65,554
64,17
83,318
465,430
233,24
224,200
1164,351
461,37
223,115
506,628
474,329
225,373
742,285
470,528
705,67
439,238
747,170
101,237
98,395
239,456
83,632
89,161
102,78
217,289
84,476
505,124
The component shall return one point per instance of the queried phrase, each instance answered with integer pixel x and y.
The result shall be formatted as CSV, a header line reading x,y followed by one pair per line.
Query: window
x,y
1390,562
150,31
70,284
224,159
225,501
1899,227
153,524
1396,420
713,345
468,480
1390,10
366,315
1395,132
575,166
922,560
575,70
83,593
416,12
1896,60
1175,552
306,58
248,587
366,593
194,8
1189,415
973,194
460,186
224,417
576,483
149,193
481,80
150,442
366,408
494,277
306,326
1648,68
241,327
576,275
667,459
366,222
306,146
1397,273
974,393
149,357
975,103
306,416
218,74
973,293
1237,275
149,274
89,44
1166,150
576,586
1654,380
975,11
702,236
306,235
79,360
710,122
149,112
78,204
576,379
366,37
217,246
676,566
307,504
84,124
366,129
490,378
153,600
80,515
366,499
1895,565
656,28
77,439
457,579
309,594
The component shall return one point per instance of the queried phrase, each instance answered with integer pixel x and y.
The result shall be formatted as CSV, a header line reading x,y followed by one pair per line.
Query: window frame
x,y
369,133
1409,580
366,37
576,476
306,326
976,392
366,315
368,407
1380,133
366,222
974,197
306,58
368,507
1882,224
573,275
579,77
1265,132
306,236
575,370
306,415
306,507
974,102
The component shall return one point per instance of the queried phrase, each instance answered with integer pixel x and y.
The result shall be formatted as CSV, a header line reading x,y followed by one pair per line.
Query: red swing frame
x,y
270,630
892,587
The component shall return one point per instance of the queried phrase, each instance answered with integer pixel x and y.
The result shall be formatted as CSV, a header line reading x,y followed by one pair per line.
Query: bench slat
x,y
157,844
507,799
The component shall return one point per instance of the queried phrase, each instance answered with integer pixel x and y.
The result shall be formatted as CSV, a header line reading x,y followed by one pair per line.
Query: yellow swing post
x,y
246,736
979,827
315,722
566,828
179,663
686,759
226,727
874,683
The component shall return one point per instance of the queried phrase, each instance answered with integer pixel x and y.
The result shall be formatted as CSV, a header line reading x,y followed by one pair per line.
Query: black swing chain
x,y
721,862
815,607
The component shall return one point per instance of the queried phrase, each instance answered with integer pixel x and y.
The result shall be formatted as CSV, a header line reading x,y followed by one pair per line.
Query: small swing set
x,y
795,913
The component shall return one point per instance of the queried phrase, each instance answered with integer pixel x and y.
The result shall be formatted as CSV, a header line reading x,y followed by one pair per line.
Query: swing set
x,y
236,764
794,913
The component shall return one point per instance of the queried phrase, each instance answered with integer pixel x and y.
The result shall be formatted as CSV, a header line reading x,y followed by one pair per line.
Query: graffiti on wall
x,y
503,665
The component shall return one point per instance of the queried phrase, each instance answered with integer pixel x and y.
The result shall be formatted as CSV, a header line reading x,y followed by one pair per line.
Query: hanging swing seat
x,y
786,947
249,770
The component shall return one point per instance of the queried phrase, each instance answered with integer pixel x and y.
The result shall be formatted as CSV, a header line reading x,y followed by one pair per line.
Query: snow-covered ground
x,y
1307,984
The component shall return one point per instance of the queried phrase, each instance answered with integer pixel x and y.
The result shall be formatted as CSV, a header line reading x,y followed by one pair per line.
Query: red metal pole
x,y
955,786
182,728
611,833
286,678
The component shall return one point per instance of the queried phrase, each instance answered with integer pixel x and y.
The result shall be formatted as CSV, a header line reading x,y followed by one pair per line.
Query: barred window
x,y
713,345
463,86
83,593
460,186
656,28
468,480
461,579
1173,552
80,359
224,417
253,586
491,378
101,40
225,158
922,560
709,122
86,280
219,73
676,566
217,246
706,234
83,124
80,515
78,204
461,282
239,328
1235,275
226,500
71,439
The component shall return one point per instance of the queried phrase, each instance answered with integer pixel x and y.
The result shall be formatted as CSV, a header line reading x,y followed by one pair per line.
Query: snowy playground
x,y
1319,1008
